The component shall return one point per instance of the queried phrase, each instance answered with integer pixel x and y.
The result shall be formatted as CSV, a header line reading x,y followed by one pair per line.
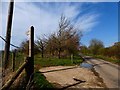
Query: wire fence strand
x,y
10,43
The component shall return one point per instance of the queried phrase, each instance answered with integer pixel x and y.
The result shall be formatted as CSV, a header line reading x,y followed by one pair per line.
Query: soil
x,y
72,77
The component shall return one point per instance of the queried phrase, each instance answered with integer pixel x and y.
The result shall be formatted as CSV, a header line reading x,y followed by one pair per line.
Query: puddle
x,y
86,65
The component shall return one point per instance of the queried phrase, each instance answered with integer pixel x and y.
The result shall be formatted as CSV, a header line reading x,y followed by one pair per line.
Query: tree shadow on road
x,y
79,81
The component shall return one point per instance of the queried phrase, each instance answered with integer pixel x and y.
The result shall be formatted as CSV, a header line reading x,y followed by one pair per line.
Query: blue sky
x,y
107,28
95,20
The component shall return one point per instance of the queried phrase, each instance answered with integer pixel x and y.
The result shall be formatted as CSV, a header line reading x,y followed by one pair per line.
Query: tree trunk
x,y
42,53
59,53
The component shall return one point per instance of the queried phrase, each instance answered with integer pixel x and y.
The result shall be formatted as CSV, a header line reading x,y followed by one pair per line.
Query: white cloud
x,y
44,17
87,22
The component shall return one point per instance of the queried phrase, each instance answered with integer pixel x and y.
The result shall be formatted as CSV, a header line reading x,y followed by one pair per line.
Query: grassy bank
x,y
115,61
41,82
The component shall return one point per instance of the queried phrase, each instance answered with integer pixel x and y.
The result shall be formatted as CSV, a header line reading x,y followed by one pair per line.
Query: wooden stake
x,y
8,33
30,66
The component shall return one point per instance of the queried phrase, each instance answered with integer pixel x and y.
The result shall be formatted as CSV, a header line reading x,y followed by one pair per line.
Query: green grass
x,y
20,58
46,62
41,82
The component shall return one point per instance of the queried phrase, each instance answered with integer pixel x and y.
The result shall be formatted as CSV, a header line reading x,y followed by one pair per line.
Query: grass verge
x,y
46,62
115,61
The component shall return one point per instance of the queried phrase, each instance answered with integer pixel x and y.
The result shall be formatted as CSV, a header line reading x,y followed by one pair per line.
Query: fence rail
x,y
9,83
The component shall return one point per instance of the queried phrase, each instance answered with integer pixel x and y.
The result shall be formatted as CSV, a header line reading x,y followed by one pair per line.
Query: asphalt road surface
x,y
108,71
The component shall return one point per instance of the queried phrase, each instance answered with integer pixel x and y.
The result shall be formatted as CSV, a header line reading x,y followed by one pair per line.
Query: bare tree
x,y
25,47
63,26
41,43
62,43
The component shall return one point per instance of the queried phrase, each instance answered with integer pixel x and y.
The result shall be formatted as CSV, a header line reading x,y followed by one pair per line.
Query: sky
x,y
95,19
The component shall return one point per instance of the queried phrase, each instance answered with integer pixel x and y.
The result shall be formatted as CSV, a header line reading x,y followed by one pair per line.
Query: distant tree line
x,y
63,43
96,47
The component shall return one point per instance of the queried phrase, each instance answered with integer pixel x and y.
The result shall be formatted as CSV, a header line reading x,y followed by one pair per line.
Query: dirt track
x,y
63,77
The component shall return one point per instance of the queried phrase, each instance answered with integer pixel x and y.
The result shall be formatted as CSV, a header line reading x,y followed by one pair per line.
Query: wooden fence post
x,y
8,34
30,65
13,60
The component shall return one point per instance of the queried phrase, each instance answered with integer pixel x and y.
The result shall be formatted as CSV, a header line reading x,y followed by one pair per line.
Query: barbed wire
x,y
10,43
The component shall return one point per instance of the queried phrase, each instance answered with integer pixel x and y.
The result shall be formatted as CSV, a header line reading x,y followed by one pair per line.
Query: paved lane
x,y
108,71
